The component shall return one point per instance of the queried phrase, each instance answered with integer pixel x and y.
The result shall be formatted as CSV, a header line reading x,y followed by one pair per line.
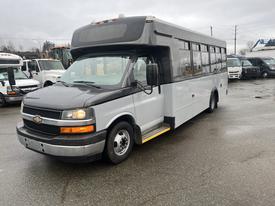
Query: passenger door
x,y
149,108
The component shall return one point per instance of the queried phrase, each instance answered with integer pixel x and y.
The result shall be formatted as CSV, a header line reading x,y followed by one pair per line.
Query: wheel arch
x,y
47,83
127,117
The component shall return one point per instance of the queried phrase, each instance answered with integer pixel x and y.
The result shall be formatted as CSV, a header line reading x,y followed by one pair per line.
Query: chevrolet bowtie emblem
x,y
37,119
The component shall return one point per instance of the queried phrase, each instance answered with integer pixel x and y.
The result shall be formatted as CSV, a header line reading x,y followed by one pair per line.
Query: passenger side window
x,y
139,71
183,68
197,64
33,66
205,59
218,58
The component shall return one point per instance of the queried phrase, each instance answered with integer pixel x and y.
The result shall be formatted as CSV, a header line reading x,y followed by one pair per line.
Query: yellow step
x,y
154,133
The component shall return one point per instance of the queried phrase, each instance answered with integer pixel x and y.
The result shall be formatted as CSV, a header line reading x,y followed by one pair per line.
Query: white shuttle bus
x,y
10,71
132,80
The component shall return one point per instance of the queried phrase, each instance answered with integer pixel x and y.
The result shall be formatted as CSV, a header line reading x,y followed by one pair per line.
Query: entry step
x,y
156,132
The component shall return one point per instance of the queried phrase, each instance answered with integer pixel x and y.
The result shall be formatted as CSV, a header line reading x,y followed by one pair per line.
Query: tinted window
x,y
32,65
184,68
197,64
205,62
24,67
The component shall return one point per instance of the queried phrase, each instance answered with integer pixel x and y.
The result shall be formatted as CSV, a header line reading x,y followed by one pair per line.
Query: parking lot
x,y
223,158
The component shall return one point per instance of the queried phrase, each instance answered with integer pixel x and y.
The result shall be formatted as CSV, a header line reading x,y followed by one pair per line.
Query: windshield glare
x,y
269,61
107,70
50,65
18,74
245,62
233,62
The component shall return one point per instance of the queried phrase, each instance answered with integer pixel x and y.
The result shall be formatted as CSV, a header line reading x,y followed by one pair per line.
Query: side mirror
x,y
11,76
152,74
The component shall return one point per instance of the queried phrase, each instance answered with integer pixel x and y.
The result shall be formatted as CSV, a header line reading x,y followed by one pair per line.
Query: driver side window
x,y
33,66
139,71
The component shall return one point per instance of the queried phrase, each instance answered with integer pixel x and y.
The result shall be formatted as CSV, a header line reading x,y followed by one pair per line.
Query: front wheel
x,y
120,142
2,100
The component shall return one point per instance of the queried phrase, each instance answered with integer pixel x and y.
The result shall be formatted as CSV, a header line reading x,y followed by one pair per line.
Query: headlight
x,y
77,114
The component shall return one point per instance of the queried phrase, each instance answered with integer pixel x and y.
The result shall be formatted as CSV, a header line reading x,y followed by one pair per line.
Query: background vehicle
x,y
248,70
132,80
266,64
234,67
10,65
63,54
46,71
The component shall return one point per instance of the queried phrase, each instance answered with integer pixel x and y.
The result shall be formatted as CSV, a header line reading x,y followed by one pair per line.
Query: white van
x,y
10,63
234,68
46,71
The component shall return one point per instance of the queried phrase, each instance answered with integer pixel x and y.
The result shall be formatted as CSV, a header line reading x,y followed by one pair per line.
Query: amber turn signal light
x,y
11,93
77,130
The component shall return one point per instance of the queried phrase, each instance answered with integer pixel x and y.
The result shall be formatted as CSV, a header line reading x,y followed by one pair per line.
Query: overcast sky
x,y
30,22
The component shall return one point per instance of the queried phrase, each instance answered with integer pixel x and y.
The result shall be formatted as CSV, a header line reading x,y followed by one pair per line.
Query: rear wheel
x,y
2,100
120,142
213,103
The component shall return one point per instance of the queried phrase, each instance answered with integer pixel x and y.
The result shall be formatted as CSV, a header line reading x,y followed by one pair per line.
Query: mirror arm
x,y
139,84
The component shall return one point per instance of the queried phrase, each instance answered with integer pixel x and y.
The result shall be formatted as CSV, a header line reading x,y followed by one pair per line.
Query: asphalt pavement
x,y
223,158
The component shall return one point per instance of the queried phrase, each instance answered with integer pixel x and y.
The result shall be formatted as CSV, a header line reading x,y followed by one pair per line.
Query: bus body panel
x,y
106,113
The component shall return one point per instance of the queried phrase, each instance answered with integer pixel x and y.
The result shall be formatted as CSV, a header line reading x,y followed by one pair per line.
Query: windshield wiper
x,y
88,83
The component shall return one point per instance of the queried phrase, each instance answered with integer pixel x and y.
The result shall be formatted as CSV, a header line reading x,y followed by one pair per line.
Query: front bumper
x,y
13,98
86,145
234,75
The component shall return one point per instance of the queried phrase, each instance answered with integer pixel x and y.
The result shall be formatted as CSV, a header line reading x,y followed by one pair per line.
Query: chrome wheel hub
x,y
121,142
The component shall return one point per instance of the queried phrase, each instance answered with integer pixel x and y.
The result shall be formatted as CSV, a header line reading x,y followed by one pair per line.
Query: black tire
x,y
118,139
2,100
213,103
48,84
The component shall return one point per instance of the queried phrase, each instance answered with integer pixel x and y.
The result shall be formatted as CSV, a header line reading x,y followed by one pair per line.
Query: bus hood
x,y
63,98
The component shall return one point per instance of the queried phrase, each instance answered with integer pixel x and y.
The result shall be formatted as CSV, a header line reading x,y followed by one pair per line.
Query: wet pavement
x,y
223,158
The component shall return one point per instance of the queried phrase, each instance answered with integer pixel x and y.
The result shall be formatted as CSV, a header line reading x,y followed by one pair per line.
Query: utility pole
x,y
211,30
235,41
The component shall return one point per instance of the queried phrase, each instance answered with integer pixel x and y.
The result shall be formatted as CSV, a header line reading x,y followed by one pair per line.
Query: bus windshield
x,y
107,70
50,65
18,74
234,62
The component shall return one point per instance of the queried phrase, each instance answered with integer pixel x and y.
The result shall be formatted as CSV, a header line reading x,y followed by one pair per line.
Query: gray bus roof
x,y
132,31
